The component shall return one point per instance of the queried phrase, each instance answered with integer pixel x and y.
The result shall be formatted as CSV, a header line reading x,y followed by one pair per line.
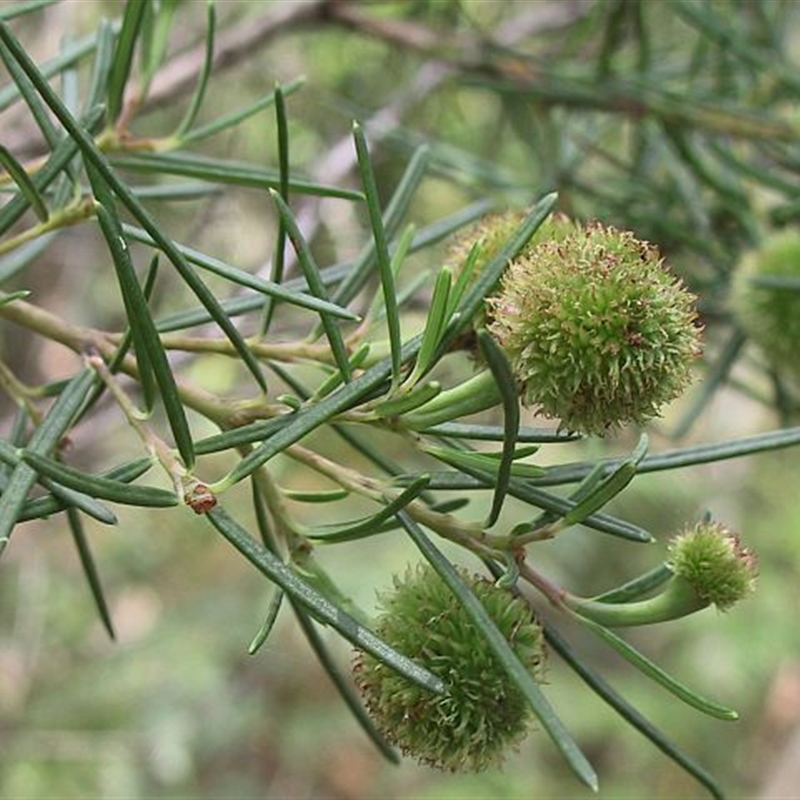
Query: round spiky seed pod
x,y
481,714
598,331
767,309
491,233
713,561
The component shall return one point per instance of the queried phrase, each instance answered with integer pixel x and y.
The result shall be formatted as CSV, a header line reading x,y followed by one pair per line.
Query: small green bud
x,y
710,567
598,331
713,561
770,314
482,713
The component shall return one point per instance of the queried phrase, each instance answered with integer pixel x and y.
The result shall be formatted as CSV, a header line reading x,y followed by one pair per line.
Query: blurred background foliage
x,y
678,120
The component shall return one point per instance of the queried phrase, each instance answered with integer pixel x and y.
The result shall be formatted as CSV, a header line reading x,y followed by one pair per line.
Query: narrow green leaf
x,y
62,496
177,192
19,9
682,457
654,672
463,280
400,249
596,489
90,570
360,443
336,379
608,489
381,248
218,170
403,402
98,486
205,73
28,94
318,605
528,493
10,298
72,498
258,431
344,685
123,57
282,125
101,65
25,184
486,462
20,258
396,210
154,39
147,381
330,496
506,382
146,341
435,324
348,531
8,446
495,433
637,587
315,284
598,685
236,117
68,55
450,506
93,155
239,276
274,607
477,393
58,161
48,505
504,653
55,424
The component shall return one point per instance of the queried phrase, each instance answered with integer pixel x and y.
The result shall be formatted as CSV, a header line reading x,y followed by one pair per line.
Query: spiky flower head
x,y
765,302
482,714
598,331
492,232
714,562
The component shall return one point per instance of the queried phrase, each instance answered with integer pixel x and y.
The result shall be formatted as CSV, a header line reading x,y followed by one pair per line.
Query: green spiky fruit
x,y
481,714
492,233
713,561
598,331
765,298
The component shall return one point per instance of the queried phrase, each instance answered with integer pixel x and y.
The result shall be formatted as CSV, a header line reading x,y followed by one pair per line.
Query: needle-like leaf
x,y
504,654
316,604
45,438
146,341
90,570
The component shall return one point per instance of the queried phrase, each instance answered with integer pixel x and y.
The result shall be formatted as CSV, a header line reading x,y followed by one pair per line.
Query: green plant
x,y
765,297
327,351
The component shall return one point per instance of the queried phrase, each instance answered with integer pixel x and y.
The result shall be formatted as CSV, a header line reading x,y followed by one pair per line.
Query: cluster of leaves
x,y
353,371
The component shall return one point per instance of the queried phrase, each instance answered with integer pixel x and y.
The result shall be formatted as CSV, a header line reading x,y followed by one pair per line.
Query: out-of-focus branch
x,y
179,74
536,19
